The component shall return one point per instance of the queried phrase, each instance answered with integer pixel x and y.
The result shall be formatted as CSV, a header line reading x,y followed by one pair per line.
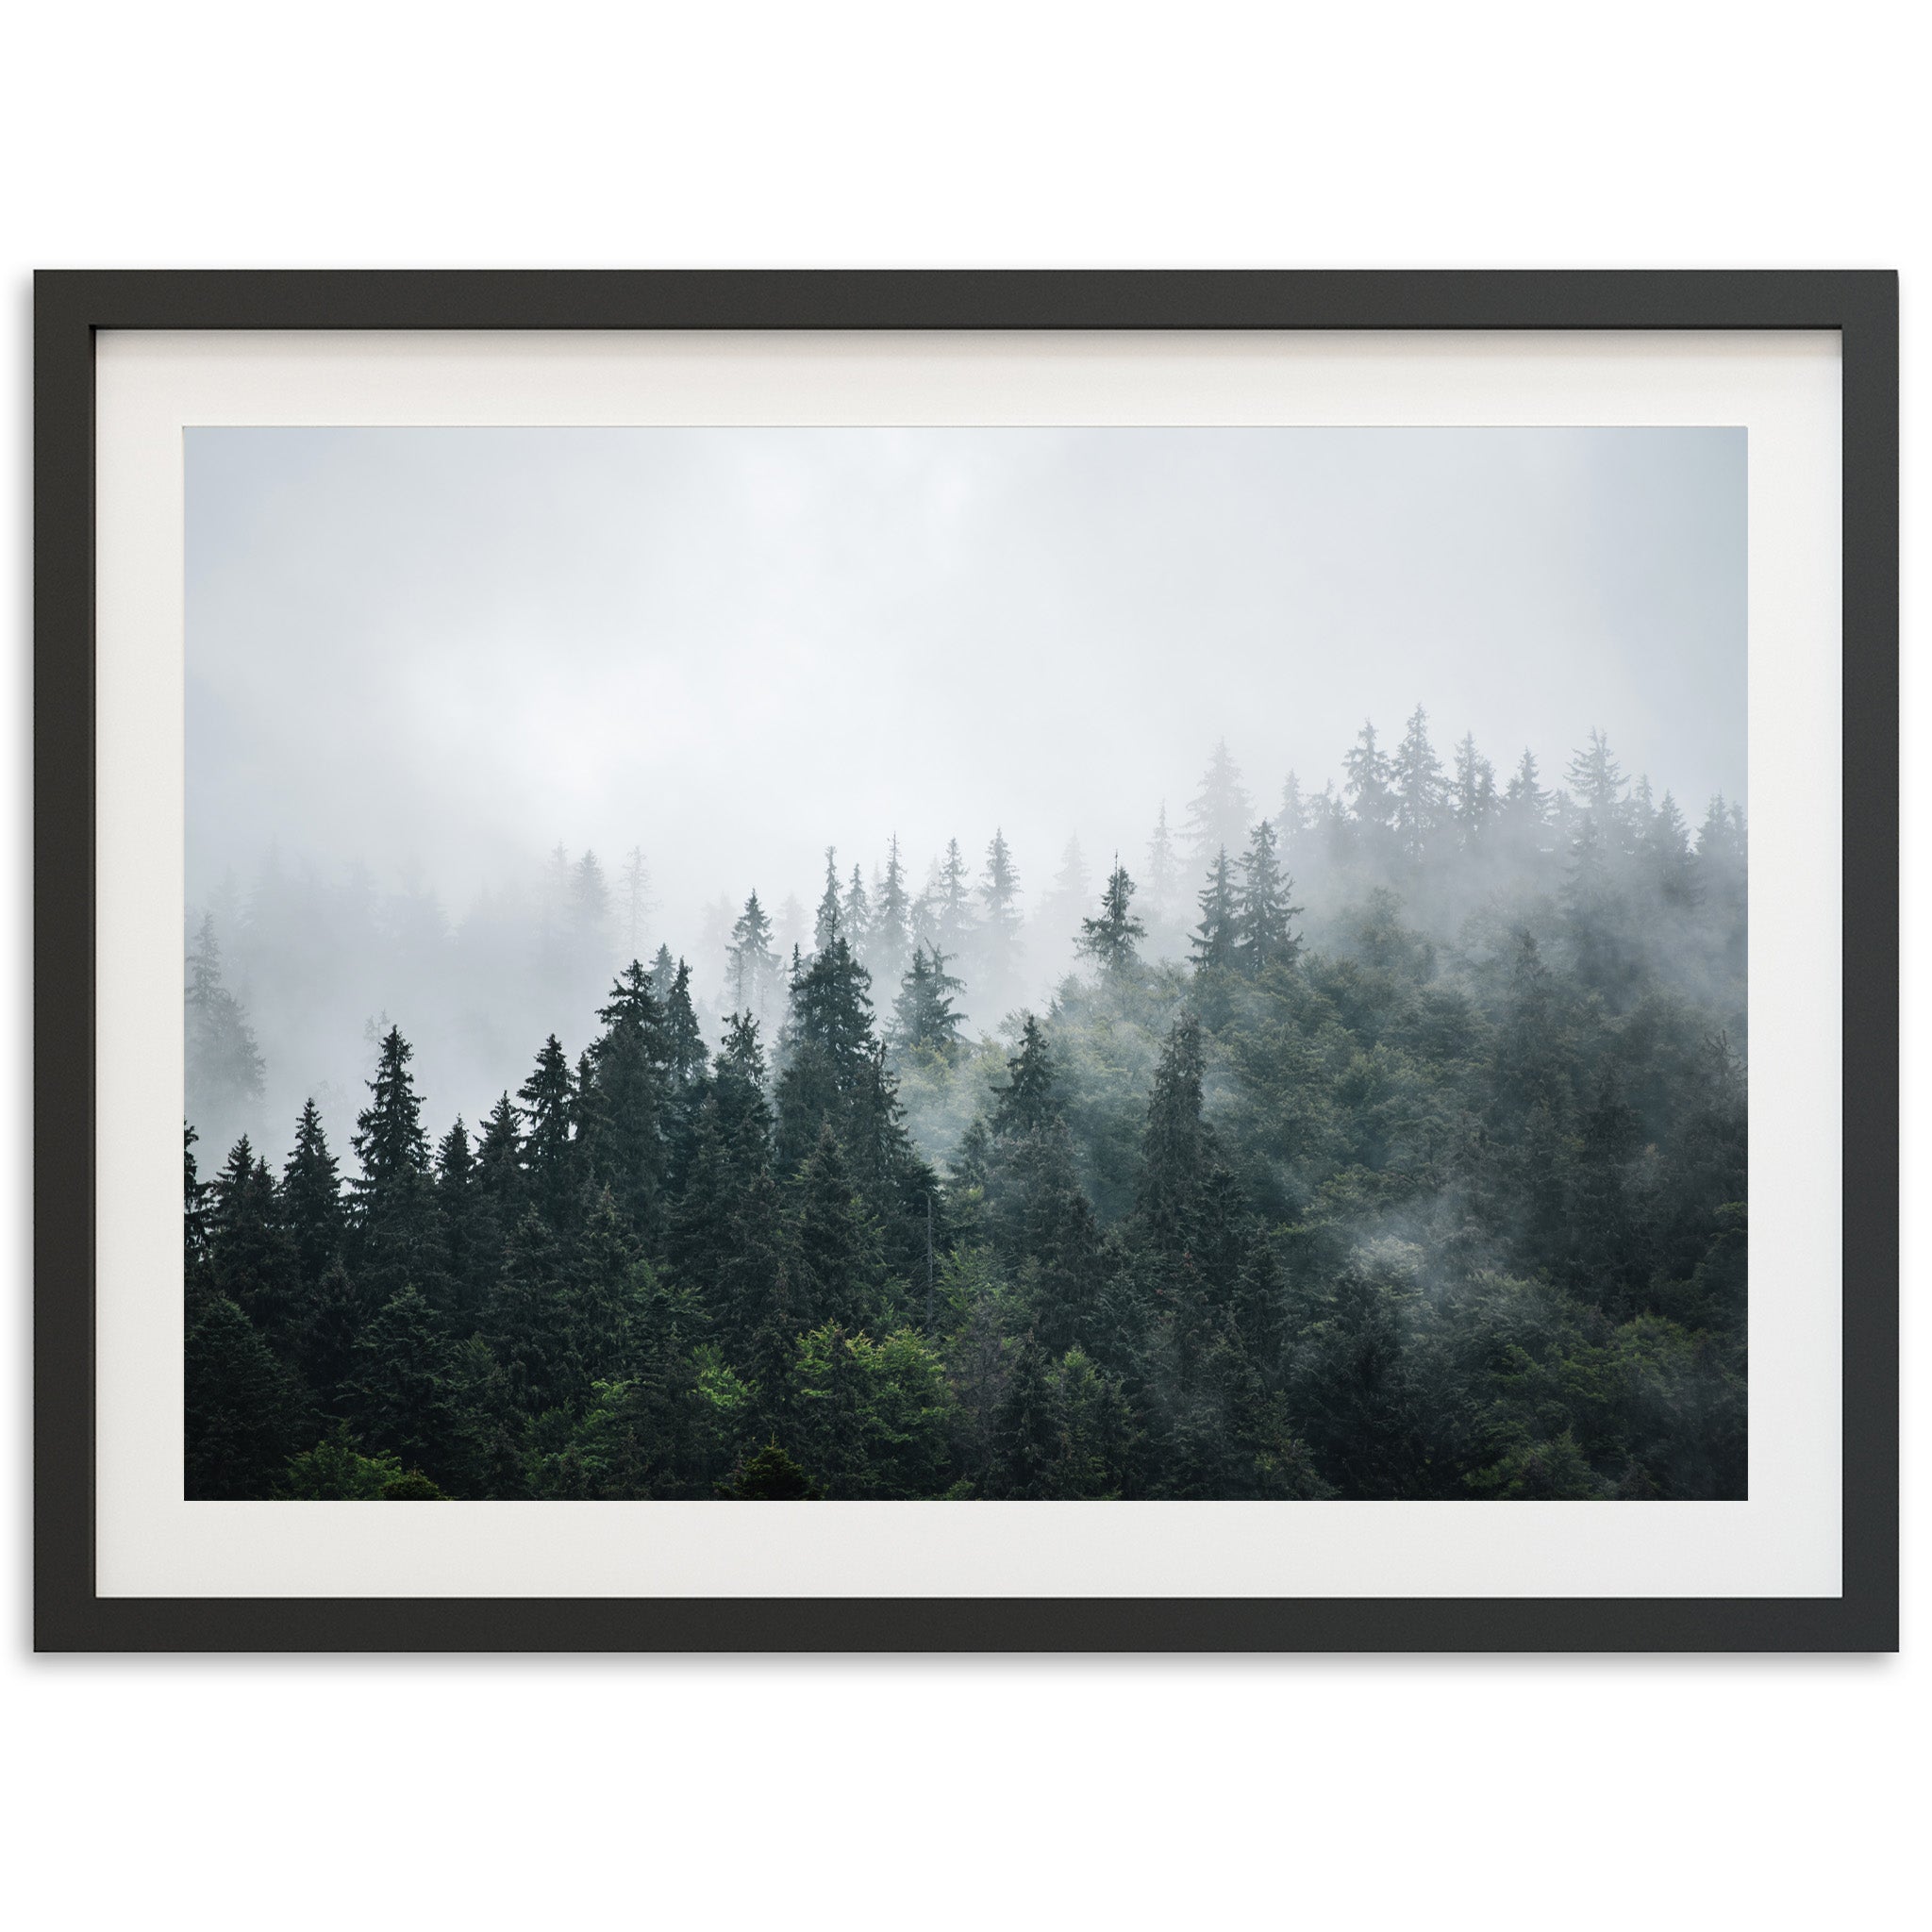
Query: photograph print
x,y
865,964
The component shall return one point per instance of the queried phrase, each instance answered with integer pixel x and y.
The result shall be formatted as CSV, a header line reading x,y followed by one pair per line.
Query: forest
x,y
1387,1143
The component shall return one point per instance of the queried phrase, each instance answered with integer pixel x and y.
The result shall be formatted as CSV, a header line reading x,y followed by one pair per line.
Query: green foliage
x,y
1437,1189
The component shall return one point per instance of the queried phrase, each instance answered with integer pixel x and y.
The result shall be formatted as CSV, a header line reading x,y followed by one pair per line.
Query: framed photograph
x,y
1179,961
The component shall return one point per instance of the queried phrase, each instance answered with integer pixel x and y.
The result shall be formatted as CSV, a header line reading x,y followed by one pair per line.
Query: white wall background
x,y
250,1792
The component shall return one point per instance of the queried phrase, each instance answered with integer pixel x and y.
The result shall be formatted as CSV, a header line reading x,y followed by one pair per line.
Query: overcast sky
x,y
736,646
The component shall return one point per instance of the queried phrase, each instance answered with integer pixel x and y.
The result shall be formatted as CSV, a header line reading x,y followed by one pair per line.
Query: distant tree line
x,y
1419,1172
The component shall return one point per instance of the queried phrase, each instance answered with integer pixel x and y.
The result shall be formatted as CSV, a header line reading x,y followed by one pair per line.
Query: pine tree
x,y
225,1066
1475,801
1526,810
1026,1429
833,1259
1417,789
857,912
392,1201
1178,1151
636,900
1215,939
626,1081
890,937
311,1199
951,905
1597,782
1672,869
753,968
1026,1101
245,1413
1108,939
546,1103
1218,814
252,1258
724,1234
193,1217
923,1017
827,928
1366,771
1264,935
1065,907
1163,873
999,940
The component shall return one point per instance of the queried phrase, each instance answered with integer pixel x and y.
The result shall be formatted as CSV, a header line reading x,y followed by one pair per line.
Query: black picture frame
x,y
70,307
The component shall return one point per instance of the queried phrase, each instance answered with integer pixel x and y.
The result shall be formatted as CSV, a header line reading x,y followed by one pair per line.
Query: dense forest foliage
x,y
1392,1145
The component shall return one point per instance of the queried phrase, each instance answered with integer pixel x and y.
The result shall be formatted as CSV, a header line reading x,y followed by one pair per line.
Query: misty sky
x,y
459,647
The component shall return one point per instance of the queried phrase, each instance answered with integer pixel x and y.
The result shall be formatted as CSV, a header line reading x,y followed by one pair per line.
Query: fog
x,y
420,662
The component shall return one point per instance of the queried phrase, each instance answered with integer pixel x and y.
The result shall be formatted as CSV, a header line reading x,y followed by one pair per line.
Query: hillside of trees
x,y
1391,1143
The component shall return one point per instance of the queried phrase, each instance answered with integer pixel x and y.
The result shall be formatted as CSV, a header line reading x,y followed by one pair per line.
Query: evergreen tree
x,y
999,935
392,1201
1177,1154
952,903
1475,800
1026,1101
636,900
725,1236
225,1066
245,1413
1026,1429
1667,852
1163,873
1417,788
1065,906
857,912
1216,938
625,1079
1525,811
1264,935
1108,939
825,930
1218,814
1367,787
1597,782
252,1259
547,1107
834,1263
923,1017
311,1199
891,936
752,962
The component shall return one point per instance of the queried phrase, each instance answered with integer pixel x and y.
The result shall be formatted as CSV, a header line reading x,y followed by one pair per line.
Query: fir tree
x,y
924,1018
1178,1155
1108,938
856,914
1264,935
1163,873
999,939
1475,802
751,964
547,1107
825,929
1418,792
313,1205
635,889
1367,787
625,1079
890,937
1219,814
225,1066
1219,933
1026,1101
952,902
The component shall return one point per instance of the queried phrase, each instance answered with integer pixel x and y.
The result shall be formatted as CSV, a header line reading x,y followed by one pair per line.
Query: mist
x,y
421,663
